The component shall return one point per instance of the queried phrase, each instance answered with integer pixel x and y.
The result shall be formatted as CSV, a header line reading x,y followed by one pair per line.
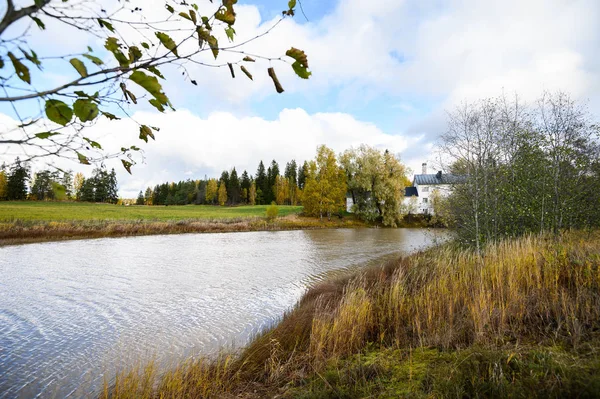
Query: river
x,y
75,312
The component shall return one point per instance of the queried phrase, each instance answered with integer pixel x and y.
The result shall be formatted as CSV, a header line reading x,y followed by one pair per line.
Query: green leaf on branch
x,y
85,110
112,45
146,132
230,32
300,70
93,143
94,59
169,8
146,45
127,165
300,67
58,112
45,135
107,25
292,4
151,85
206,23
38,22
248,59
79,67
33,58
167,42
226,13
83,159
155,71
110,116
135,54
193,16
243,68
156,104
21,70
184,15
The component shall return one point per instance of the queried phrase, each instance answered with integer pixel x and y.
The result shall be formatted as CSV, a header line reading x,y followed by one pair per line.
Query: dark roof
x,y
438,178
410,192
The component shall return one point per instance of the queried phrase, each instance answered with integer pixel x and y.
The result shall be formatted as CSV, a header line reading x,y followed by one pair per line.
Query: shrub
x,y
272,211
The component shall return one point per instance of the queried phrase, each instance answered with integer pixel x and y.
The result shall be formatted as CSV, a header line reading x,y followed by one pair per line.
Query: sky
x,y
385,73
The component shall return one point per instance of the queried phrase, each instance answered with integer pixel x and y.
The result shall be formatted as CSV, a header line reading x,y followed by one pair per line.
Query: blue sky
x,y
384,73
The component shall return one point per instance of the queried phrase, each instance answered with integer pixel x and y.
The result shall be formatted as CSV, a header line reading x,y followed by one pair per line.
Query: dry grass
x,y
23,232
533,292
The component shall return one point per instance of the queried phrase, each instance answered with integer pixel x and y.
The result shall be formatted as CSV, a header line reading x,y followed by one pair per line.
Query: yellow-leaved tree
x,y
325,189
211,191
3,185
222,193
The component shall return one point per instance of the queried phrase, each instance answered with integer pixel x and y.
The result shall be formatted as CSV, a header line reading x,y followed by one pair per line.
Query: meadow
x,y
519,319
85,211
29,221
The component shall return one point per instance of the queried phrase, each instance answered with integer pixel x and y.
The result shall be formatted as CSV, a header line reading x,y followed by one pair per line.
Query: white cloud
x,y
188,146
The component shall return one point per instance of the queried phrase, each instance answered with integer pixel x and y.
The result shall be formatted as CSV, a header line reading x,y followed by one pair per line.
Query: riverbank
x,y
29,222
521,320
25,232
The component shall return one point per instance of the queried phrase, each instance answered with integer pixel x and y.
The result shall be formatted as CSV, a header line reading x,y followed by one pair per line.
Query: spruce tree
x,y
261,183
17,181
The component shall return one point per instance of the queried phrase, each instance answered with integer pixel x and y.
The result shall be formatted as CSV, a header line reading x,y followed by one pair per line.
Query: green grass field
x,y
63,211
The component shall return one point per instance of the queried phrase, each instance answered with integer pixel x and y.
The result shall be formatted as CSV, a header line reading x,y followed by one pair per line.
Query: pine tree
x,y
261,183
16,185
245,185
140,199
302,172
234,188
269,190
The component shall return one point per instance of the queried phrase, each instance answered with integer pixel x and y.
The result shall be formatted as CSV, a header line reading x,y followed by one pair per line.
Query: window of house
x,y
425,189
424,200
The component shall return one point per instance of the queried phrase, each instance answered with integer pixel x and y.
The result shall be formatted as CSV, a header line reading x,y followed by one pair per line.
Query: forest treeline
x,y
18,183
375,179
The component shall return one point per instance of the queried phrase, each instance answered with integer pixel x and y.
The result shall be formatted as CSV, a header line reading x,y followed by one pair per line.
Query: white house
x,y
417,199
425,184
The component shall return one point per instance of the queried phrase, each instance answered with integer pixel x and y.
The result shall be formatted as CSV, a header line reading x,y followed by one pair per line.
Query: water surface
x,y
71,311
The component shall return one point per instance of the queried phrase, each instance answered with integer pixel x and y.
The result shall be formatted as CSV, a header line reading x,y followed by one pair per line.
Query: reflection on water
x,y
71,311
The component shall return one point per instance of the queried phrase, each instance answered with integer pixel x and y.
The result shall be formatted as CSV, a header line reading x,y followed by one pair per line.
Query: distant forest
x,y
267,185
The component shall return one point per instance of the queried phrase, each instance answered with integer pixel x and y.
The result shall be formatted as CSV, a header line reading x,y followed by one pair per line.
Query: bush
x,y
272,211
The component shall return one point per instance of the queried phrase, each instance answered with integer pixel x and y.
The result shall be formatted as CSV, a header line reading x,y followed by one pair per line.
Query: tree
x,y
140,199
261,183
67,183
376,183
78,184
41,189
302,172
211,191
148,196
245,185
16,185
252,194
3,185
325,188
234,190
222,193
528,168
269,189
101,86
291,173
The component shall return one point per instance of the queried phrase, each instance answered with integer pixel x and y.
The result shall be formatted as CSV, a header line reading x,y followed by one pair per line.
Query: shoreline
x,y
21,232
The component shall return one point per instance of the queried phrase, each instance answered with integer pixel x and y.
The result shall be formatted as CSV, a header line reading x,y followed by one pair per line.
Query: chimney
x,y
439,174
424,168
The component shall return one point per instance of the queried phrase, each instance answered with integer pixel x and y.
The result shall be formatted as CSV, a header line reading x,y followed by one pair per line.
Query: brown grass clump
x,y
535,291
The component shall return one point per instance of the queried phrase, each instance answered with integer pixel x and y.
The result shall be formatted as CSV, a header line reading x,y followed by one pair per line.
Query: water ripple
x,y
72,312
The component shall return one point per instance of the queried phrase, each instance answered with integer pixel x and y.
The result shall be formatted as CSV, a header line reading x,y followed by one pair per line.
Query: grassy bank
x,y
521,320
35,211
28,222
